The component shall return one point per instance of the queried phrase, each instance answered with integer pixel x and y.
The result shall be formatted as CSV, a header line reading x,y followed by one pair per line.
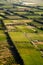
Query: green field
x,y
21,35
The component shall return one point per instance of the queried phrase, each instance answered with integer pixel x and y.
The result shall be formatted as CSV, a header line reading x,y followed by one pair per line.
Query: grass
x,y
24,28
2,37
7,21
29,55
21,38
37,24
33,17
17,35
6,57
14,17
23,20
21,13
35,36
40,46
1,17
39,12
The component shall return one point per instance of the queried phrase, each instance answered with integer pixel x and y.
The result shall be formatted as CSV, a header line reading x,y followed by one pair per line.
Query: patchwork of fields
x,y
21,35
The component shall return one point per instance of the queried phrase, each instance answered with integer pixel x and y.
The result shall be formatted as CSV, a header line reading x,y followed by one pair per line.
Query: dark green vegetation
x,y
21,35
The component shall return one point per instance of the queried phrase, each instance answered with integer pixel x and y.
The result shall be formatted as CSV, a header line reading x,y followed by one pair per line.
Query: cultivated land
x,y
21,35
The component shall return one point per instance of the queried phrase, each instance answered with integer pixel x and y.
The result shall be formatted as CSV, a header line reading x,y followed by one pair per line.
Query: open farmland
x,y
21,35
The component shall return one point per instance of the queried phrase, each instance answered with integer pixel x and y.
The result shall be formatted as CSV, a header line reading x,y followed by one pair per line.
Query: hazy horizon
x,y
30,1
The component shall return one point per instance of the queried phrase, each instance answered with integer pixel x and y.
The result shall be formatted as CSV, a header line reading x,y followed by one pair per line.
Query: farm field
x,y
6,56
21,35
26,49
